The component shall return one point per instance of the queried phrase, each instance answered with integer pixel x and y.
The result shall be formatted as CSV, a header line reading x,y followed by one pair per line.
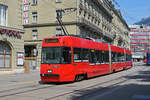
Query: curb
x,y
6,73
15,71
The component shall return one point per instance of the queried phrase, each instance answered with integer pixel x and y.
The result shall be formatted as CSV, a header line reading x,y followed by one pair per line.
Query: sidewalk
x,y
15,71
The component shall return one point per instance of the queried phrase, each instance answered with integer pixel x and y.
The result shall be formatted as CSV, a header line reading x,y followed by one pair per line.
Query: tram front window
x,y
56,55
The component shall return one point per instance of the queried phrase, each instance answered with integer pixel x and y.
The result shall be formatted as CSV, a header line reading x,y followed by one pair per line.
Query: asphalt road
x,y
131,84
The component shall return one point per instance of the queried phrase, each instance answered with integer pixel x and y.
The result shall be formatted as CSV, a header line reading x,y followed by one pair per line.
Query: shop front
x,y
11,48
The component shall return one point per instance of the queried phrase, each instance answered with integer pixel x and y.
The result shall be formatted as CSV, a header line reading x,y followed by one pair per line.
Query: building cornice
x,y
80,22
48,24
3,3
12,28
118,14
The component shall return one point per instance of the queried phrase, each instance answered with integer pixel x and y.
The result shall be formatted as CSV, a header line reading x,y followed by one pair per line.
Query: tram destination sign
x,y
10,32
51,41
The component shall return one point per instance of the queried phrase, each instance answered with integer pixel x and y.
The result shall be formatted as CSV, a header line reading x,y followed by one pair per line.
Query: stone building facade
x,y
96,19
11,35
121,30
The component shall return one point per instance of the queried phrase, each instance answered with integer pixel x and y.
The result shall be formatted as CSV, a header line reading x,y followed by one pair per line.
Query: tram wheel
x,y
80,77
114,71
76,78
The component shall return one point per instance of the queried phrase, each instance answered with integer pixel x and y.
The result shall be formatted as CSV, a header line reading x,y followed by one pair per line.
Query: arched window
x,y
5,55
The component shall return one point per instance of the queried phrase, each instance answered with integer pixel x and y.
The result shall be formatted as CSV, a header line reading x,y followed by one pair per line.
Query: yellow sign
x,y
92,50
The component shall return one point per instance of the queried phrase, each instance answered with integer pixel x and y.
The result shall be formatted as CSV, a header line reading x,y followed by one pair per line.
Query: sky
x,y
134,10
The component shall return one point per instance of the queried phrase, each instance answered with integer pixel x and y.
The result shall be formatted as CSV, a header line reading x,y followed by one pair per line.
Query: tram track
x,y
22,90
120,80
17,88
100,88
37,87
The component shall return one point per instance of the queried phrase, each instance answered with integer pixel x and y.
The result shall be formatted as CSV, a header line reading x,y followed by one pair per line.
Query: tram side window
x,y
77,54
98,57
114,57
120,57
102,56
128,57
66,55
92,56
85,55
106,57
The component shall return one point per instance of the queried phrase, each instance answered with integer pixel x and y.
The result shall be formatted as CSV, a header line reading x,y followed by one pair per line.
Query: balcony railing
x,y
90,26
108,35
102,6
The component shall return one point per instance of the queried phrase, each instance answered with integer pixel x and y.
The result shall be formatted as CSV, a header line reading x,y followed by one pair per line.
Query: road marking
x,y
145,97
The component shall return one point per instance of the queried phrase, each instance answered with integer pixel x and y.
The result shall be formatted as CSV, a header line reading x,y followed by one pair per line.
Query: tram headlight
x,y
49,71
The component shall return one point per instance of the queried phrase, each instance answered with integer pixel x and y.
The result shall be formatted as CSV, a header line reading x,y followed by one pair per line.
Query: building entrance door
x,y
31,55
5,55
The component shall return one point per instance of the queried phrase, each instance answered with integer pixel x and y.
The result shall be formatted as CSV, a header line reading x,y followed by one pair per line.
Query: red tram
x,y
68,58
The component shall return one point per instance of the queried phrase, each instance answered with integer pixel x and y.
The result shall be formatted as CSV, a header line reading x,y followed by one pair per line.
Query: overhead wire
x,y
125,13
46,2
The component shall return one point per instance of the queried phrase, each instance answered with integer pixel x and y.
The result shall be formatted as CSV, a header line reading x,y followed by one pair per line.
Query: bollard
x,y
26,67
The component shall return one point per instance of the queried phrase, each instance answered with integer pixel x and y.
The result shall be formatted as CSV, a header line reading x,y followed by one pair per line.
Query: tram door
x,y
5,55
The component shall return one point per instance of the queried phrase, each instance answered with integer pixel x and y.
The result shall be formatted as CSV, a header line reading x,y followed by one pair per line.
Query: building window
x,y
58,1
25,1
5,55
3,16
58,31
34,17
26,21
34,2
34,34
26,8
30,52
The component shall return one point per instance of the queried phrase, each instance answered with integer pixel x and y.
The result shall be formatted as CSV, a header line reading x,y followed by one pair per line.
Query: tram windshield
x,y
56,55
